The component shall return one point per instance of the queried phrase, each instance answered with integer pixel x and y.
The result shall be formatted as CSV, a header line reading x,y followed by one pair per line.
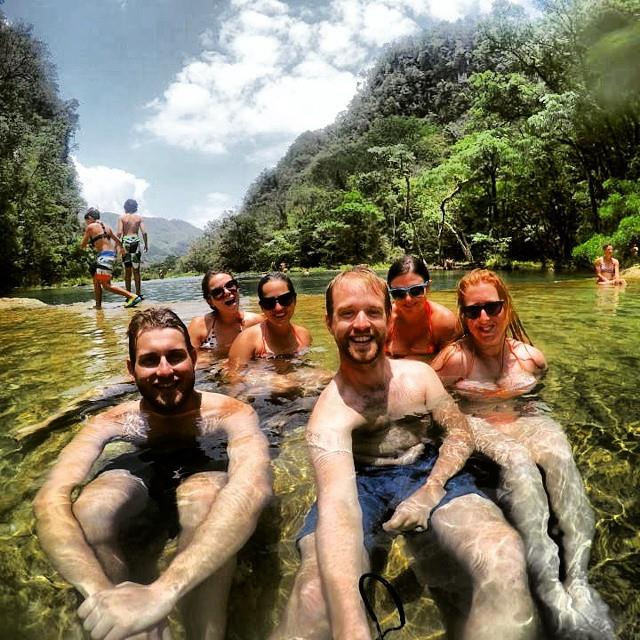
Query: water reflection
x,y
608,299
58,359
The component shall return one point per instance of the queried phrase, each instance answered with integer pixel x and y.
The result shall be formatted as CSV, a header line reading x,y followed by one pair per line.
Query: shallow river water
x,y
58,358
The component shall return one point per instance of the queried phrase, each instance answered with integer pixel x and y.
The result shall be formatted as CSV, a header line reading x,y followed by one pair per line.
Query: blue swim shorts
x,y
382,488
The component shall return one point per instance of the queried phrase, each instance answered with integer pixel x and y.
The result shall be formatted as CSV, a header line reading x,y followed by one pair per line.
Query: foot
x,y
589,603
132,302
567,621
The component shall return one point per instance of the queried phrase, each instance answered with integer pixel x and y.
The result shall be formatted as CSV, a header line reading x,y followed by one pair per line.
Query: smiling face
x,y
279,315
408,304
608,252
225,299
164,370
358,322
485,330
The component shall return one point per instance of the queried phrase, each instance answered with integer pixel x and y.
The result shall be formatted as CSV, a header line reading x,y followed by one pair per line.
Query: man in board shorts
x,y
176,478
130,228
372,449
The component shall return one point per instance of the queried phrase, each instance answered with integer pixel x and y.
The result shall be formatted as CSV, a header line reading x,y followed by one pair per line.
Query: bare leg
x,y
306,616
204,609
549,448
136,279
121,292
102,508
471,533
97,293
127,278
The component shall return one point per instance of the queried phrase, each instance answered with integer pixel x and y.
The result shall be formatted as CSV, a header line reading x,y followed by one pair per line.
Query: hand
x,y
413,513
121,612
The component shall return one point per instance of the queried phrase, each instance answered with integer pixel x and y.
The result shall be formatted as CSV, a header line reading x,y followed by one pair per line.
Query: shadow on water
x,y
65,363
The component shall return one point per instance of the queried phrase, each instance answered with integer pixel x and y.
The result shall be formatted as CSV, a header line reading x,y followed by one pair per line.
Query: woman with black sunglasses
x,y
419,328
489,369
216,331
276,336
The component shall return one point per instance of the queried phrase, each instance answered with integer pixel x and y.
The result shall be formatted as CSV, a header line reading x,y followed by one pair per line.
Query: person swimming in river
x,y
106,243
487,368
419,328
276,336
216,331
608,268
199,471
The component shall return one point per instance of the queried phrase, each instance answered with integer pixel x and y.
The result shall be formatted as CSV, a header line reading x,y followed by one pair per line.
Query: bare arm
x,y
340,519
59,532
143,231
243,349
120,229
129,608
85,239
197,331
599,276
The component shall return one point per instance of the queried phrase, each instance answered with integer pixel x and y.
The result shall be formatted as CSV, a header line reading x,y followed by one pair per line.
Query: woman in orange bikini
x,y
216,331
489,369
276,336
419,328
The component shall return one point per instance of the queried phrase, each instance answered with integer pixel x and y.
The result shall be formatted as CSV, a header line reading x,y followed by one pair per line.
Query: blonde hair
x,y
370,278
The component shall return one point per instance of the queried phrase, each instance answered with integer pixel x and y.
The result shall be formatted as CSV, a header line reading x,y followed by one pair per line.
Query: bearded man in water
x,y
200,470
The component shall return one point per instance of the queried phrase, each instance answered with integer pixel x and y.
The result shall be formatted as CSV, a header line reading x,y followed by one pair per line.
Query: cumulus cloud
x,y
214,206
274,70
107,188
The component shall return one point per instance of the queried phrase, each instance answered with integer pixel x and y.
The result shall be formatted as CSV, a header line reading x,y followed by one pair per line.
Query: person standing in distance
x,y
130,227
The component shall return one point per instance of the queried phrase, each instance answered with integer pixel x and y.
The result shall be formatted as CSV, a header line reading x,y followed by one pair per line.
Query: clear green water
x,y
56,360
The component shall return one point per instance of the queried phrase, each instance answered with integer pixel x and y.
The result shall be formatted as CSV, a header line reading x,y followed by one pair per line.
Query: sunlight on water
x,y
58,360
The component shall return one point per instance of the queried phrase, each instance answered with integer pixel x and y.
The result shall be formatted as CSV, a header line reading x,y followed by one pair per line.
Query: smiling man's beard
x,y
345,350
149,395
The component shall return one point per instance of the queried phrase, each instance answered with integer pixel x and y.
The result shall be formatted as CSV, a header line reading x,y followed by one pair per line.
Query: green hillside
x,y
492,139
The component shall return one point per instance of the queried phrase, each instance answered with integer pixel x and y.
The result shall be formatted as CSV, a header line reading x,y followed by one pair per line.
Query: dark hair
x,y
408,264
275,275
360,272
130,206
205,281
155,318
607,244
92,212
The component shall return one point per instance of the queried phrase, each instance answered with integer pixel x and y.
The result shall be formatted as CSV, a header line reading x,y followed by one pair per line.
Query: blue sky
x,y
184,103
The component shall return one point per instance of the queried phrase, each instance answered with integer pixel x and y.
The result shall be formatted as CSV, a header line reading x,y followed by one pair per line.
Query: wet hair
x,y
92,212
408,264
130,206
205,281
484,276
275,275
155,318
366,275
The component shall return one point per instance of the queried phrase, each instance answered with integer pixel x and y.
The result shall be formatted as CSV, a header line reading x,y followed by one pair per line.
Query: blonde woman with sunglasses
x,y
418,328
276,336
489,369
216,331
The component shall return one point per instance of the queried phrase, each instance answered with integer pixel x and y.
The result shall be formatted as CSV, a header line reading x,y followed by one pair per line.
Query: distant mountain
x,y
166,237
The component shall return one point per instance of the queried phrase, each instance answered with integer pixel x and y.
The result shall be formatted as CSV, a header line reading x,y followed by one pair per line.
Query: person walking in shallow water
x,y
199,471
106,243
130,227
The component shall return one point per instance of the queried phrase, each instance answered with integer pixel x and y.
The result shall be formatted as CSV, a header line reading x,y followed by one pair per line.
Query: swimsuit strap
x,y
264,349
104,234
427,308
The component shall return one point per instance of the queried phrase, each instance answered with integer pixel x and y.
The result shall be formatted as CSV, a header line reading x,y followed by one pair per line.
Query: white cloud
x,y
107,188
273,70
213,207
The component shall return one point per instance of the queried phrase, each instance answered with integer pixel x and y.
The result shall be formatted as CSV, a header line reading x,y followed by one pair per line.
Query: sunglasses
x,y
217,292
283,300
473,311
397,293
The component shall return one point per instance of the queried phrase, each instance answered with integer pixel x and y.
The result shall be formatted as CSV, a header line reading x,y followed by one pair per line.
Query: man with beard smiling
x,y
372,449
201,466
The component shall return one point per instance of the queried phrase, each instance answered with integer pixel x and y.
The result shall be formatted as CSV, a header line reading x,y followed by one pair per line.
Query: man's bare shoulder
x,y
333,409
221,411
408,367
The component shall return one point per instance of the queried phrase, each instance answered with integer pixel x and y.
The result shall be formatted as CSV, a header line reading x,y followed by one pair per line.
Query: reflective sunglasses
x,y
397,293
217,292
473,311
283,300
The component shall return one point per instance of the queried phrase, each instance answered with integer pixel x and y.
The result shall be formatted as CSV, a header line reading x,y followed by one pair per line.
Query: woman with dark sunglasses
x,y
216,331
276,336
418,328
489,368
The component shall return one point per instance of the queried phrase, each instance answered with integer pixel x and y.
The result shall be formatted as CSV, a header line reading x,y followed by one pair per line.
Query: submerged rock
x,y
24,303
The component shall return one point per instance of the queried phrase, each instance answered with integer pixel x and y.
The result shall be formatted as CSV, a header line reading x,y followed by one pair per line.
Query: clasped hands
x,y
413,513
125,610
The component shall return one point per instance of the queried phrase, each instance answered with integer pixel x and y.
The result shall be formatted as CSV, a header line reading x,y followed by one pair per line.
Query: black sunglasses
x,y
217,292
473,311
283,300
397,293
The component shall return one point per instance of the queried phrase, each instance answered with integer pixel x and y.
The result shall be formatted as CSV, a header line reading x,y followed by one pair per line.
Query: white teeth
x,y
361,338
